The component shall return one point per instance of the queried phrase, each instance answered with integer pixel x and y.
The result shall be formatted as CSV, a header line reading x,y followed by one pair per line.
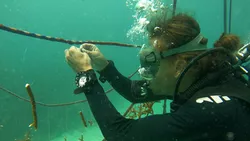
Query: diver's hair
x,y
228,41
181,29
176,31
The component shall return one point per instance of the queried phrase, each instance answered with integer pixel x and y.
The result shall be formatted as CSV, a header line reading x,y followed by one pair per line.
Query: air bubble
x,y
143,10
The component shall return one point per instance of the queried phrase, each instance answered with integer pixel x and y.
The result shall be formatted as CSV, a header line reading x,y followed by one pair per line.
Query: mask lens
x,y
149,63
150,58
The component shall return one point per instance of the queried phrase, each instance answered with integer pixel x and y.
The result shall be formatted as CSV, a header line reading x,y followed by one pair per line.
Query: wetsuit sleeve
x,y
132,90
189,121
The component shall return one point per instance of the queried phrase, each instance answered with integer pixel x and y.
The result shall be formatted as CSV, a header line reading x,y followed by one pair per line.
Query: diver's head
x,y
180,33
229,41
175,42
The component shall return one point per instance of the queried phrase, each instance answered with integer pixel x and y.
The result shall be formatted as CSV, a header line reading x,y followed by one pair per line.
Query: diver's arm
x,y
189,121
130,89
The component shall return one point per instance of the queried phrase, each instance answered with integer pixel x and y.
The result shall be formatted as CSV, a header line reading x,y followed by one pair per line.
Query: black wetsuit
x,y
199,119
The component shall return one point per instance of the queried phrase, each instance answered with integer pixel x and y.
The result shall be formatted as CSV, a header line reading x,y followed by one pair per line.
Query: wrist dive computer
x,y
84,81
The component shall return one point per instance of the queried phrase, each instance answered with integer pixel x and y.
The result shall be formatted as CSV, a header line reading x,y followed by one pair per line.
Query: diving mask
x,y
149,63
150,57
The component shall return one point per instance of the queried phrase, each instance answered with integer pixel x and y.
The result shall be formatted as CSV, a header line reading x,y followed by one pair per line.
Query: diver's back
x,y
242,125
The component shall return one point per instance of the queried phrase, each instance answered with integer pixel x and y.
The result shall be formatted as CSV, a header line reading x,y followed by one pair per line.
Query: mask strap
x,y
189,47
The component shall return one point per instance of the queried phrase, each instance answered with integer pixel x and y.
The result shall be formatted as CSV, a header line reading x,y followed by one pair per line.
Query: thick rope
x,y
35,35
56,39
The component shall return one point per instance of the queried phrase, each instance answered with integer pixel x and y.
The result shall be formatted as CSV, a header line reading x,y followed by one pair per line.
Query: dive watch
x,y
84,81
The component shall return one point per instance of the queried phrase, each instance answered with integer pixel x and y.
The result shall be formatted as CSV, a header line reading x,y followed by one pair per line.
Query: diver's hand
x,y
77,60
98,60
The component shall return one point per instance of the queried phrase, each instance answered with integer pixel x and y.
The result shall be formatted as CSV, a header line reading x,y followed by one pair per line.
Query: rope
x,y
165,100
228,29
225,16
56,39
174,7
55,105
230,16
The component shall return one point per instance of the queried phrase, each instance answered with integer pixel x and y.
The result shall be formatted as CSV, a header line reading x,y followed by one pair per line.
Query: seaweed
x,y
81,138
83,119
33,104
140,110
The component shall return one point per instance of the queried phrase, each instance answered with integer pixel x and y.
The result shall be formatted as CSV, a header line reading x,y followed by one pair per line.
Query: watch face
x,y
82,81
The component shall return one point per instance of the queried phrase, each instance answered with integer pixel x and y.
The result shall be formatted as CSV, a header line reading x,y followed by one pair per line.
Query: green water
x,y
41,63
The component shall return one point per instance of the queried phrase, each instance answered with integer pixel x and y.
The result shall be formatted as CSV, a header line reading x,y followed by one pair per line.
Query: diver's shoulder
x,y
234,89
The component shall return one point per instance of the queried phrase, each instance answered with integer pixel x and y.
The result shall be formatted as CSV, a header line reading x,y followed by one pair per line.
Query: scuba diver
x,y
209,86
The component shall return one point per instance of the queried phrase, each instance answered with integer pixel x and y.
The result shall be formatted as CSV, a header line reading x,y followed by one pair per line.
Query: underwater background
x,y
42,64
